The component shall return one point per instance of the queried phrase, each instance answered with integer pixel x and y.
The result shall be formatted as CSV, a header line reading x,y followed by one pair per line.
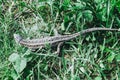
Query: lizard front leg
x,y
56,33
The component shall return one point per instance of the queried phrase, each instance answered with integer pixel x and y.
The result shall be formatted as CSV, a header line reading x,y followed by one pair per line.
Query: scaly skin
x,y
54,40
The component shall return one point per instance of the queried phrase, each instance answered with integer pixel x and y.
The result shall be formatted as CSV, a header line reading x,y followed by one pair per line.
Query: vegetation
x,y
94,56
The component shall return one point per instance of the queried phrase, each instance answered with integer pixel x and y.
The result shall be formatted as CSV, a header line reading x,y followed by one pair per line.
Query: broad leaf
x,y
13,57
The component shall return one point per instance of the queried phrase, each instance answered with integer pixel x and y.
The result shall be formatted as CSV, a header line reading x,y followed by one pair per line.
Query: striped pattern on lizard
x,y
54,40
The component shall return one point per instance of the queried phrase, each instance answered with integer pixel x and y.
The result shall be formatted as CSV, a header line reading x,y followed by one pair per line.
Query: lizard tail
x,y
97,29
17,38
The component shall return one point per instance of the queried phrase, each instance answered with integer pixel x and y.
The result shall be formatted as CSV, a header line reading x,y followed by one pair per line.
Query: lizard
x,y
56,40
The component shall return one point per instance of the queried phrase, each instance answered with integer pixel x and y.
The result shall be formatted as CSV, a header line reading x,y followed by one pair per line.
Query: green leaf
x,y
88,15
66,5
66,18
98,78
23,64
20,64
98,1
79,5
117,57
14,75
66,2
93,38
79,16
22,4
102,14
13,57
111,57
118,5
88,38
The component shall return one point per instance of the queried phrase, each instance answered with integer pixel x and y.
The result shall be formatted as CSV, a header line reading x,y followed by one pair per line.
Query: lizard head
x,y
17,38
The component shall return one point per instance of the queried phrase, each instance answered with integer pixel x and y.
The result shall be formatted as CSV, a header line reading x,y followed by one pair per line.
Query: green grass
x,y
94,56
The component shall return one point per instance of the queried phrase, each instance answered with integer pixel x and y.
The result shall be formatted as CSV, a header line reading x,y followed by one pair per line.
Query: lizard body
x,y
54,40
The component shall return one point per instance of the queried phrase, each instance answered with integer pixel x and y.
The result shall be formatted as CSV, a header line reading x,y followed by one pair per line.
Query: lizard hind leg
x,y
56,32
59,49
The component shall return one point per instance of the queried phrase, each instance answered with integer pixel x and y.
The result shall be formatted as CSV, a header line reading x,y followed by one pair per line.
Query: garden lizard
x,y
56,40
